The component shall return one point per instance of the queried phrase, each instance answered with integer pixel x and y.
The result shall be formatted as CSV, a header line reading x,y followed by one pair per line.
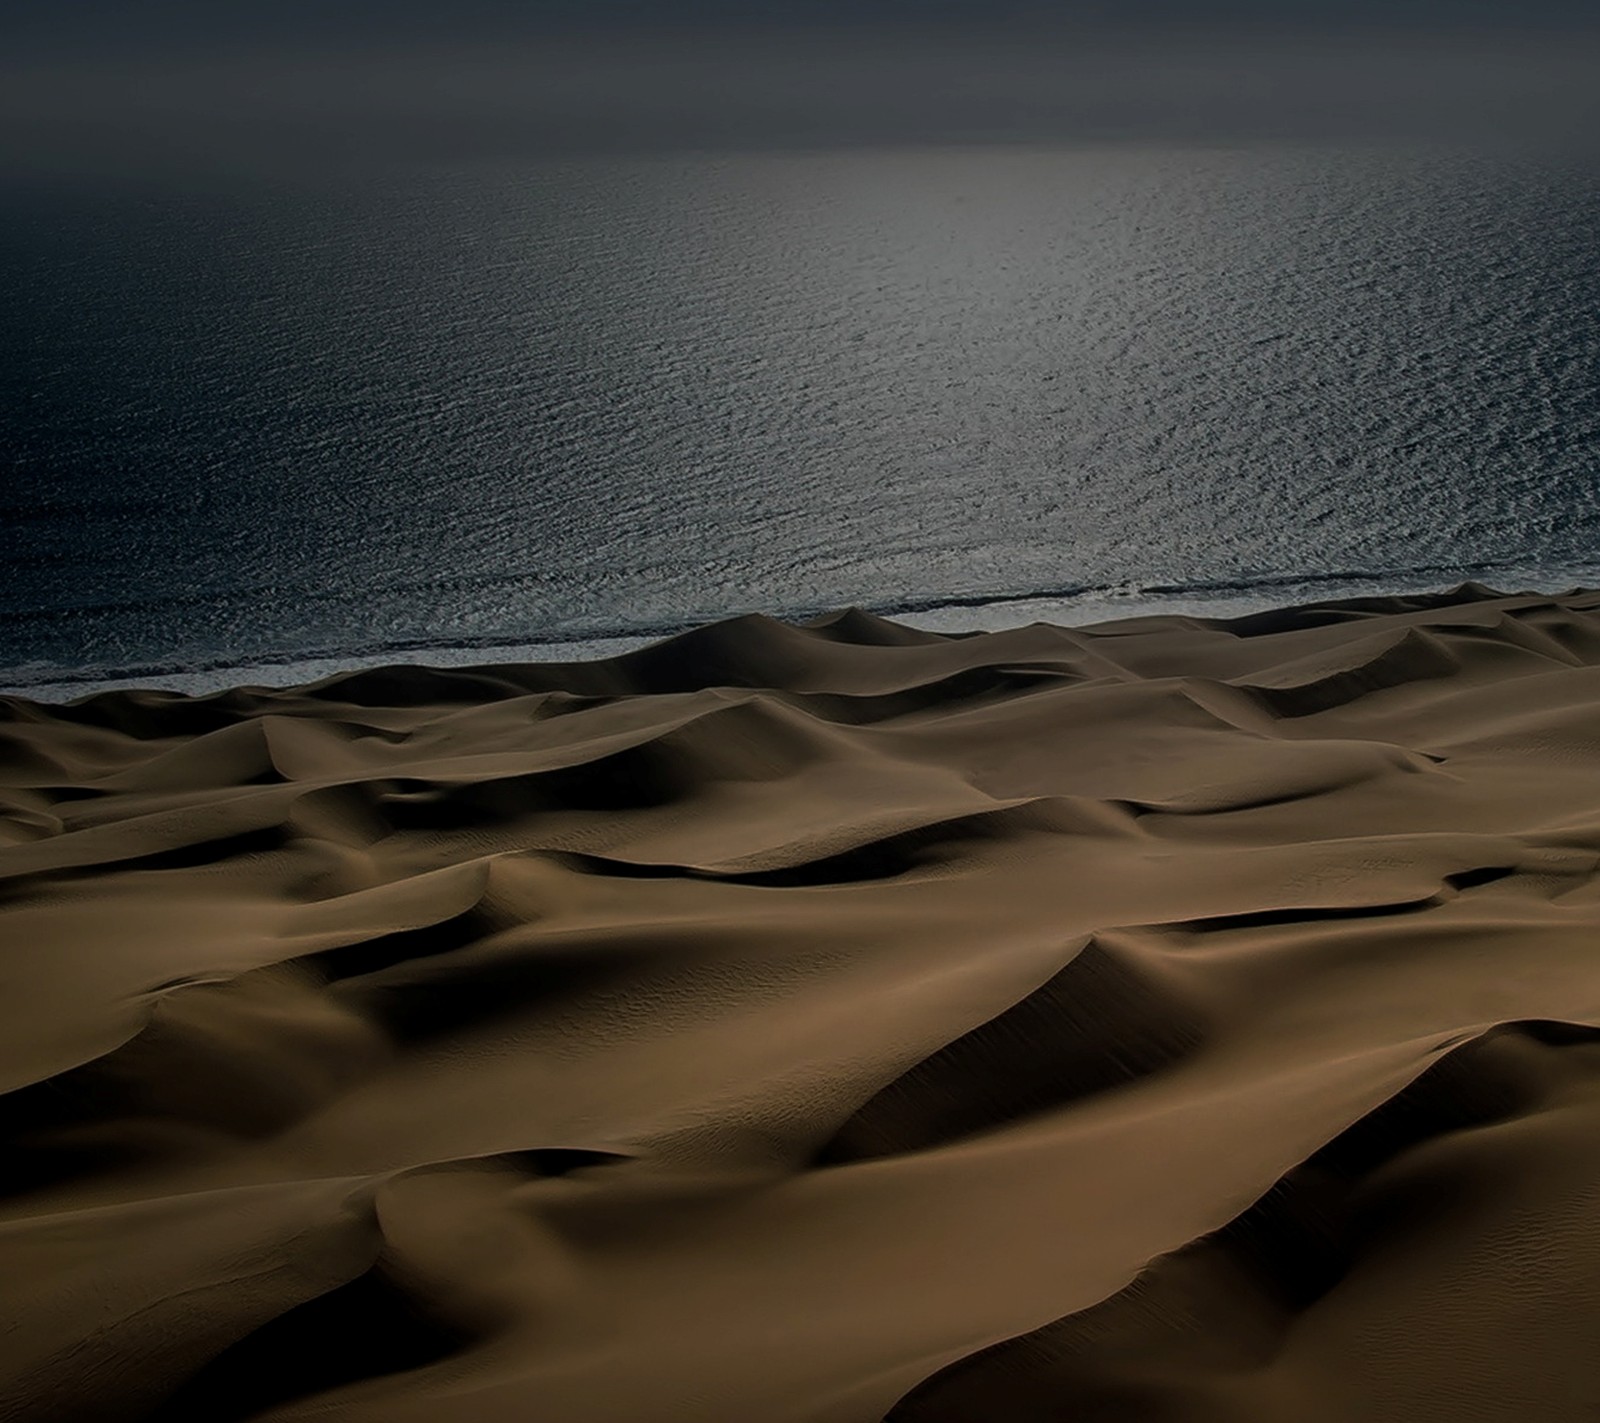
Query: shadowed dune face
x,y
1162,1021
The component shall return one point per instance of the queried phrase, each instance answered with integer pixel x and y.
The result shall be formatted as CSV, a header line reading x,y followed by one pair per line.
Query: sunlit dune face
x,y
838,1020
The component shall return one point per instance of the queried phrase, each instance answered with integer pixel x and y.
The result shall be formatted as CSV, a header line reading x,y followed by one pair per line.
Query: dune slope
x,y
1168,1020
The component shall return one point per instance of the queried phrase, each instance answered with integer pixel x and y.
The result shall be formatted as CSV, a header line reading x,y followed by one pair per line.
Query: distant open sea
x,y
261,429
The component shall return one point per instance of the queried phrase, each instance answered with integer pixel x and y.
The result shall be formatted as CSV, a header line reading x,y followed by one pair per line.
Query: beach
x,y
1173,1019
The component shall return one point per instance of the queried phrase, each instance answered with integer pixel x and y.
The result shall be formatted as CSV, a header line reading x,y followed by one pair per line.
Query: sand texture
x,y
1173,1021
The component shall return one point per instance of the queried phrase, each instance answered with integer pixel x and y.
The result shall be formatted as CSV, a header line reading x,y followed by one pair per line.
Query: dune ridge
x,y
1171,1020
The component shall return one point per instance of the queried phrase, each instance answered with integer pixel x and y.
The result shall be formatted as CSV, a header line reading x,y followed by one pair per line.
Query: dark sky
x,y
130,25
173,81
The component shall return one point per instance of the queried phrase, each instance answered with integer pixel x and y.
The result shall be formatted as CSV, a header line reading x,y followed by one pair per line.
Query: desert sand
x,y
1166,1020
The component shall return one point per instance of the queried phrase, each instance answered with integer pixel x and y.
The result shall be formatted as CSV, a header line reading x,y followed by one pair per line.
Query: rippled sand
x,y
1165,1020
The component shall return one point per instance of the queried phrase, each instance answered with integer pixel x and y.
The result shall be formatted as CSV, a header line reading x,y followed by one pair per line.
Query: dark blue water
x,y
271,422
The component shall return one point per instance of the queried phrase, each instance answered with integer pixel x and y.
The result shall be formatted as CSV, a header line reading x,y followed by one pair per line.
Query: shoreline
x,y
1075,607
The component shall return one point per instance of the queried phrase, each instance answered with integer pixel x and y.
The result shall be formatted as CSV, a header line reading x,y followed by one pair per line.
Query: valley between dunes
x,y
1171,1021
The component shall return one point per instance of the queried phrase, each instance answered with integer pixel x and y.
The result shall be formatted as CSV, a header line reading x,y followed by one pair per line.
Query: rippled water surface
x,y
590,398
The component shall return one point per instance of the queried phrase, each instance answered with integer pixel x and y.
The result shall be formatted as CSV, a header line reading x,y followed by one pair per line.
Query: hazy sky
x,y
129,19
298,81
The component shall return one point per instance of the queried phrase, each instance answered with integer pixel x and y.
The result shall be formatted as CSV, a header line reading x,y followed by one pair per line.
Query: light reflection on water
x,y
576,399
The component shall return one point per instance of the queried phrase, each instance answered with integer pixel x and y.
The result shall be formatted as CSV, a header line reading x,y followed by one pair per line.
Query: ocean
x,y
261,428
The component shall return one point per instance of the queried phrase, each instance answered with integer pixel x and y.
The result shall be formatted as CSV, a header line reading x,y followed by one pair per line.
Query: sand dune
x,y
1168,1020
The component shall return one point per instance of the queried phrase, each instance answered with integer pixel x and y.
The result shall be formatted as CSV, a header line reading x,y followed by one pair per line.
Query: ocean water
x,y
257,429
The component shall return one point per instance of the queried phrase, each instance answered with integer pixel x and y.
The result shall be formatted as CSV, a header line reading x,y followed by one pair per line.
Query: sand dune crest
x,y
1168,1020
